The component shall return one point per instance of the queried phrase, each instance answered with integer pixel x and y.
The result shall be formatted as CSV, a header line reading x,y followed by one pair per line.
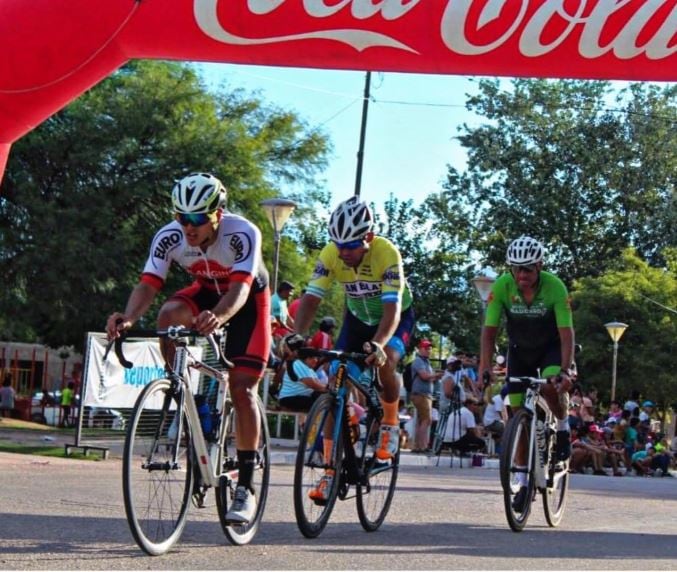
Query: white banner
x,y
108,384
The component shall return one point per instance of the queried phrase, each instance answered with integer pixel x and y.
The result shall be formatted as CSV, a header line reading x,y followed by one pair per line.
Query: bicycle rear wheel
x,y
243,534
375,492
311,515
555,494
518,429
157,470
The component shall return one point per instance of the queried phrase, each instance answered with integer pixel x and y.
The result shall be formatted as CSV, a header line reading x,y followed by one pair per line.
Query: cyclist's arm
x,y
566,336
306,313
232,301
139,301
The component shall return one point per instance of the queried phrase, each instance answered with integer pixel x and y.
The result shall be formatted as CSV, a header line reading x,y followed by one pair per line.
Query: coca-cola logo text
x,y
627,28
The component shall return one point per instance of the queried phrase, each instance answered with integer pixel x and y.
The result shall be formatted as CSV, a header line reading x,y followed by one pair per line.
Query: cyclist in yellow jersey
x,y
379,317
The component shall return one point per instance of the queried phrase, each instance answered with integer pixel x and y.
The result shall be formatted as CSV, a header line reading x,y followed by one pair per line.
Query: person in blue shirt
x,y
300,384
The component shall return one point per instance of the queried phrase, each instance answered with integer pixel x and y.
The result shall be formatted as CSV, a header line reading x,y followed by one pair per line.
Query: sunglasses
x,y
352,245
529,269
194,219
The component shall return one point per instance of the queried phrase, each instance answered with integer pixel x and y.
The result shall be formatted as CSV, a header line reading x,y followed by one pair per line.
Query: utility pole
x,y
363,132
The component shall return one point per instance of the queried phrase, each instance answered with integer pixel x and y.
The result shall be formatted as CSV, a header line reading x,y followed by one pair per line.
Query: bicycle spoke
x,y
375,494
156,489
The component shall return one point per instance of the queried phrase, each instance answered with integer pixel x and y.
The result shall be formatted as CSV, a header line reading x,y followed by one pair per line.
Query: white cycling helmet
x,y
198,193
351,220
524,250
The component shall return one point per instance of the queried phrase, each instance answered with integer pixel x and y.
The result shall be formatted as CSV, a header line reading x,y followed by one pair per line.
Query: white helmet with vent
x,y
351,220
524,250
198,193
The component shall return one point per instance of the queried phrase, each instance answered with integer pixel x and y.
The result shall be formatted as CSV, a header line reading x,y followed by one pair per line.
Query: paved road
x,y
67,514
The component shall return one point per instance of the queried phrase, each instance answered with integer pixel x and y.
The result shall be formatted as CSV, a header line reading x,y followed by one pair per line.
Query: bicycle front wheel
x,y
517,431
379,478
555,494
243,534
312,514
157,470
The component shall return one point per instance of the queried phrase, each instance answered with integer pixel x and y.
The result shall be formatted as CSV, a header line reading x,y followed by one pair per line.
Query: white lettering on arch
x,y
454,20
206,18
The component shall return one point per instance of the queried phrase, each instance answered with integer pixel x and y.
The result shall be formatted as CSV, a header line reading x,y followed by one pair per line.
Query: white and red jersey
x,y
235,256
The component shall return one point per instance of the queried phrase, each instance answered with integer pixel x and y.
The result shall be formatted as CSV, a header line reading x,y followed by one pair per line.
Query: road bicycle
x,y
169,460
352,457
535,426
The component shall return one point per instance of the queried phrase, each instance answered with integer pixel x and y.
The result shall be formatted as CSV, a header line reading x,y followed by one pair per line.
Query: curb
x,y
289,458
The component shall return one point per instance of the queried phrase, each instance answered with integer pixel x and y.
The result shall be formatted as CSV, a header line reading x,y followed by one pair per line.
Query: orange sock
x,y
391,414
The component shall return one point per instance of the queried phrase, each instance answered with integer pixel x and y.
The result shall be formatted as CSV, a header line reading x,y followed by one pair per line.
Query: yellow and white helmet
x,y
198,193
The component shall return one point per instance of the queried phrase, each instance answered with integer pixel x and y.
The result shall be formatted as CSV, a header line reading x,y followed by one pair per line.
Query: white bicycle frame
x,y
532,400
209,456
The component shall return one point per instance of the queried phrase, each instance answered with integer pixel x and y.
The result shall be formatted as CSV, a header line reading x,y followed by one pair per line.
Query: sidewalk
x,y
287,456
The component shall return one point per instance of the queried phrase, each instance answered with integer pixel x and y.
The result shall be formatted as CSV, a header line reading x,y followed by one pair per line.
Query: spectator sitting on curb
x,y
462,432
592,455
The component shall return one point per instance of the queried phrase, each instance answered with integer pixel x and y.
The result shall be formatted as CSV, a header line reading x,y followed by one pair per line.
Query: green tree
x,y
85,192
588,171
645,298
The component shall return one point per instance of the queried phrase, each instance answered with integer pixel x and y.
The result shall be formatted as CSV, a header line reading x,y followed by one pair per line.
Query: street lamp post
x,y
615,330
277,211
483,282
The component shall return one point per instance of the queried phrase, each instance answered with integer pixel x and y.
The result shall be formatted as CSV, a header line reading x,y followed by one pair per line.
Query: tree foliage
x,y
645,298
587,170
556,161
85,192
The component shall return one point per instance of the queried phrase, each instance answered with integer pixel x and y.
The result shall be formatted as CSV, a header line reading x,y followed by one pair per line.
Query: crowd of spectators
x,y
621,439
618,440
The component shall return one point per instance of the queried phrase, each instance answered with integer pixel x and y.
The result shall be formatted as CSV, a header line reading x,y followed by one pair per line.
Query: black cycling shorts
x,y
354,333
249,336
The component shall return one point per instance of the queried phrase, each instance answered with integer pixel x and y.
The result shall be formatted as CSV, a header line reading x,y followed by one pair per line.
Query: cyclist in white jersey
x,y
222,251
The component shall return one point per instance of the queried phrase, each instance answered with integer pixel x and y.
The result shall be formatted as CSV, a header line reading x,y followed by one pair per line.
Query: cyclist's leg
x,y
247,346
550,367
180,309
392,384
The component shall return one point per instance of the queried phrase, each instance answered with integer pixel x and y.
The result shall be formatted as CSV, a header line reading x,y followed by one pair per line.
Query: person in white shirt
x,y
452,386
493,419
462,431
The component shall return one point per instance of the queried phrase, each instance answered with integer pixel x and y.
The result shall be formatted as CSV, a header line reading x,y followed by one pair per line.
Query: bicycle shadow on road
x,y
93,538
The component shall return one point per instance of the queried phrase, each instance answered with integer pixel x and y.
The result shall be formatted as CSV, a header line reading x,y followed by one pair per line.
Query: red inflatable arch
x,y
52,51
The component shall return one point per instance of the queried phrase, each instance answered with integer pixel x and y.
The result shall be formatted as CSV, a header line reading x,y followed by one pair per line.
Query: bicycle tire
x,y
556,493
243,534
311,517
375,493
156,497
518,426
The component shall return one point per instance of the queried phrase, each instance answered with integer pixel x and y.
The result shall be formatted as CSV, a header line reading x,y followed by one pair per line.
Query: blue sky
x,y
412,121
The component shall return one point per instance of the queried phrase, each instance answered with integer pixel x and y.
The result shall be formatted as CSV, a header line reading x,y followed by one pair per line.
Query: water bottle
x,y
205,415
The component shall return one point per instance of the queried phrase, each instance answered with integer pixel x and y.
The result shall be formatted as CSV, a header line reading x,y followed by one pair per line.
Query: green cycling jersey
x,y
531,326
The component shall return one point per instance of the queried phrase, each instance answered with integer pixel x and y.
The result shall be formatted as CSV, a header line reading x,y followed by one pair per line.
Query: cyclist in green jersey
x,y
540,334
379,316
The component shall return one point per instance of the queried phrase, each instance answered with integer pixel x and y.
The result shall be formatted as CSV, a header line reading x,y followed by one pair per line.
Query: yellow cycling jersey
x,y
378,279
